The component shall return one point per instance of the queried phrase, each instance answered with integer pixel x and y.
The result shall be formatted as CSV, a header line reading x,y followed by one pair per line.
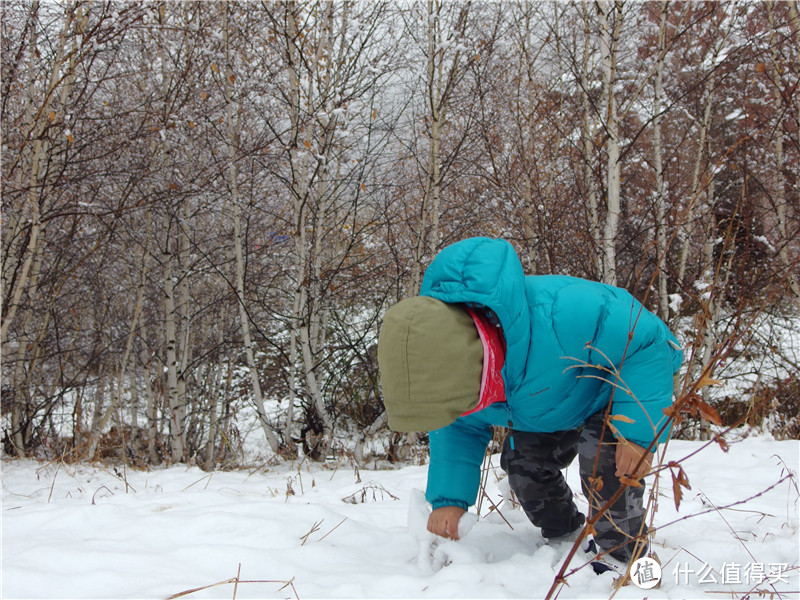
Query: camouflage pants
x,y
534,466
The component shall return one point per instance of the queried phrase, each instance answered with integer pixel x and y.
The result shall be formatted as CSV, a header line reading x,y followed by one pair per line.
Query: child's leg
x,y
534,472
625,519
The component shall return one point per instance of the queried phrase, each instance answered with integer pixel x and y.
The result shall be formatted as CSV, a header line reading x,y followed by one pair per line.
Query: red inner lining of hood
x,y
493,389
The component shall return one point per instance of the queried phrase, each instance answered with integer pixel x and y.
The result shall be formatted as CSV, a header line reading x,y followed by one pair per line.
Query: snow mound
x,y
317,531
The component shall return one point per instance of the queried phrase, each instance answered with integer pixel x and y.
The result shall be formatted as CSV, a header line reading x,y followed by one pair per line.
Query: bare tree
x,y
658,164
778,178
207,206
444,35
233,134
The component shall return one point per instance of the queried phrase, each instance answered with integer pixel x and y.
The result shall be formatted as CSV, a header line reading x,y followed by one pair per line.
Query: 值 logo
x,y
645,573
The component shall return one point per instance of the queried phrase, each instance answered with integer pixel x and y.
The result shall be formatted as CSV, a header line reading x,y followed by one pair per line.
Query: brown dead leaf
x,y
705,380
677,493
683,479
673,413
630,481
623,418
709,413
679,480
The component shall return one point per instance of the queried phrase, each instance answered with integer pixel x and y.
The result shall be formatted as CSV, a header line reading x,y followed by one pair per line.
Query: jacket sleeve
x,y
607,331
644,390
457,453
645,384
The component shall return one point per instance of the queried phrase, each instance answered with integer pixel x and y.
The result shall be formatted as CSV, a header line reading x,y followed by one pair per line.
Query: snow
x,y
335,531
702,286
735,115
766,242
675,301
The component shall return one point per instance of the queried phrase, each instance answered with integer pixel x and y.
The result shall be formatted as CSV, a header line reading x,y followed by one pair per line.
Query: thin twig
x,y
236,583
198,481
332,530
53,485
198,589
494,507
314,529
98,489
727,506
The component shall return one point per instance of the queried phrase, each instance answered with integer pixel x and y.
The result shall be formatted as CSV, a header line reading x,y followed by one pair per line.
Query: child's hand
x,y
444,521
628,455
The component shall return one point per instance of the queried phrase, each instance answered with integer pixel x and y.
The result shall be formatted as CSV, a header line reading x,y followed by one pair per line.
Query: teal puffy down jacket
x,y
570,343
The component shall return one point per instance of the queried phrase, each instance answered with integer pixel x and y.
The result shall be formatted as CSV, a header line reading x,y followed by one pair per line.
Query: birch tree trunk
x,y
312,335
309,190
177,446
297,192
609,38
778,183
661,217
212,410
184,294
588,147
288,428
174,248
152,402
22,381
233,188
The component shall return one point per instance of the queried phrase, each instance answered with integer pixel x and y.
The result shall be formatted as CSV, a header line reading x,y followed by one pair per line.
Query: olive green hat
x,y
430,359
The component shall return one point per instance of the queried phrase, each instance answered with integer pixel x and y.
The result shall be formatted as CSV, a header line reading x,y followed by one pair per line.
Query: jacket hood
x,y
431,361
487,272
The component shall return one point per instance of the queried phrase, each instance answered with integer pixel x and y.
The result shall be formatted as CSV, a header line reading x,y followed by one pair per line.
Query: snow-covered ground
x,y
77,531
